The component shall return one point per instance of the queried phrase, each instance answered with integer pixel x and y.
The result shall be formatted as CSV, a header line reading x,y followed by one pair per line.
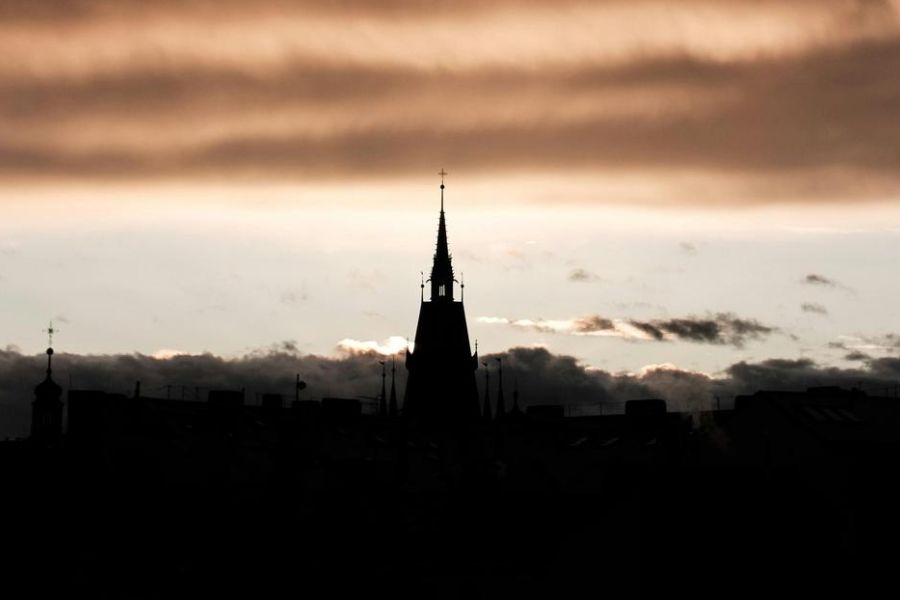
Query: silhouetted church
x,y
441,384
47,408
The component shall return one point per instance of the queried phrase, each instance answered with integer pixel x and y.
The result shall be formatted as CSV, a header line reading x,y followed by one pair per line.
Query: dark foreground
x,y
788,495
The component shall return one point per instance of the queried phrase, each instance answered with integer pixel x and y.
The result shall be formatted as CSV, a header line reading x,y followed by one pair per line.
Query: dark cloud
x,y
649,328
592,323
580,275
722,328
77,10
816,279
269,370
815,121
857,356
812,307
797,374
541,376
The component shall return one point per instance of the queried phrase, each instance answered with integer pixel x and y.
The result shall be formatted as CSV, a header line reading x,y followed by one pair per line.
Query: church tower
x,y
441,384
47,408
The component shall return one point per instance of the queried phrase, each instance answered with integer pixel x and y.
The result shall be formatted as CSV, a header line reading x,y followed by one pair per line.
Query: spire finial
x,y
50,331
443,174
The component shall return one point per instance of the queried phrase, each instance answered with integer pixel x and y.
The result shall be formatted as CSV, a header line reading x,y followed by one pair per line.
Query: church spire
x,y
441,384
442,269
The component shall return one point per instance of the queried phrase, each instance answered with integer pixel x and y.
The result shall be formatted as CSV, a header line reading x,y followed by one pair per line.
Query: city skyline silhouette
x,y
654,350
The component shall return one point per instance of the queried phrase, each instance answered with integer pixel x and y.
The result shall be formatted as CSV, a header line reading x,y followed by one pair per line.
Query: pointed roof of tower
x,y
442,260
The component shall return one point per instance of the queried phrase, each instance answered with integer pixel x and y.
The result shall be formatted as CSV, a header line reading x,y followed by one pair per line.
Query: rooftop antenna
x,y
462,286
422,285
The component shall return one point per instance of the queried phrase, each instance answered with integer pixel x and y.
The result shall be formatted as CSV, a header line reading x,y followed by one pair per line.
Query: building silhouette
x,y
441,384
47,408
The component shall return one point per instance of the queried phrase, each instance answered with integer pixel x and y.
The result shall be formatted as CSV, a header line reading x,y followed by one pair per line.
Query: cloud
x,y
541,376
391,346
281,89
816,279
592,324
688,248
167,353
886,343
9,248
580,275
812,307
798,374
586,325
721,328
292,297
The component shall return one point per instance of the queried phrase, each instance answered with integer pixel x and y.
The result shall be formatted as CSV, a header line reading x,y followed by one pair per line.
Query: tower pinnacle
x,y
442,270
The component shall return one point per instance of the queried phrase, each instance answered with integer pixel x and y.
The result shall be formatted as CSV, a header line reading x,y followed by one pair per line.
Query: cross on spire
x,y
50,331
442,173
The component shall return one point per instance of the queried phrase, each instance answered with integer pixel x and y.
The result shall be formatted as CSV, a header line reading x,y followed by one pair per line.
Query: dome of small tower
x,y
48,388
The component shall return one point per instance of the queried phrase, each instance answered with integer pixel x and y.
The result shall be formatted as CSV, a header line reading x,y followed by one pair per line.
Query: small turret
x,y
47,408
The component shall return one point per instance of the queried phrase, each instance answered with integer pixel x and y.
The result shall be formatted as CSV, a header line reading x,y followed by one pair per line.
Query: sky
x,y
636,185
